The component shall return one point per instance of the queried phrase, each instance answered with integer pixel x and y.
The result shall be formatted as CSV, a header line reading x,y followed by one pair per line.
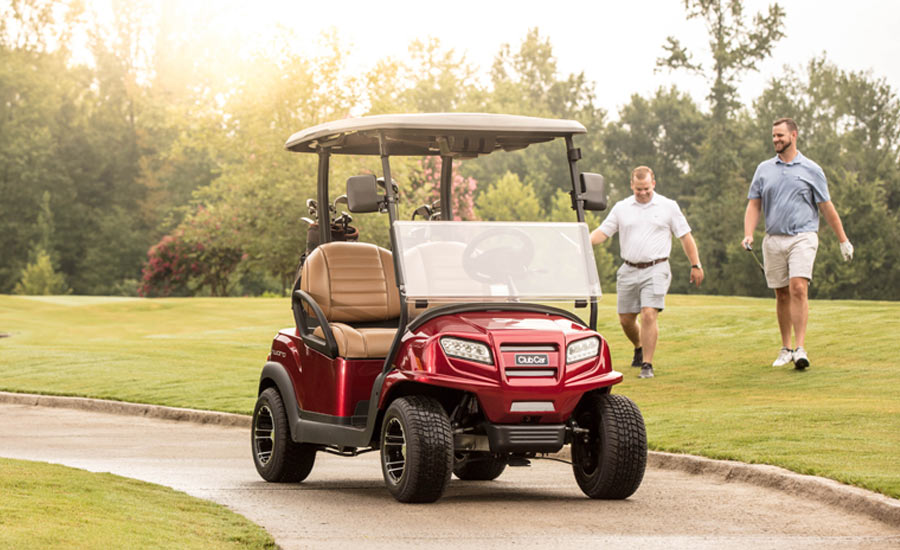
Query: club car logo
x,y
532,359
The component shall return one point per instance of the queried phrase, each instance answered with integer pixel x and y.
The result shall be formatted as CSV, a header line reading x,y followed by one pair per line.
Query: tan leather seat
x,y
354,283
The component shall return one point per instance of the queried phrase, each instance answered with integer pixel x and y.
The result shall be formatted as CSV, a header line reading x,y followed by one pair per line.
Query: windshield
x,y
504,261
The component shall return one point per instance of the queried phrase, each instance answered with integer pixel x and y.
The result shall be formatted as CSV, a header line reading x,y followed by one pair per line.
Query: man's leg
x,y
785,318
631,328
799,291
649,332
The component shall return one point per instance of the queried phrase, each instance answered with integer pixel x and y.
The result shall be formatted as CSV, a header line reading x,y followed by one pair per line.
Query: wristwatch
x,y
698,266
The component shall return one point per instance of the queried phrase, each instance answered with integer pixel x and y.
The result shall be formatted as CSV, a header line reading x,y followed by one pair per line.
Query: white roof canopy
x,y
451,134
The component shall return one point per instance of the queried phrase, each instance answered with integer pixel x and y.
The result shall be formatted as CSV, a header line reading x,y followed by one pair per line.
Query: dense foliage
x,y
158,167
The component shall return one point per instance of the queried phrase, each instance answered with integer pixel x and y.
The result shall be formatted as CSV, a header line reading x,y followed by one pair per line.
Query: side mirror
x,y
362,194
593,192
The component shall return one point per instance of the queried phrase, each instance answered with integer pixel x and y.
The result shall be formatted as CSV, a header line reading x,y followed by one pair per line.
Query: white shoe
x,y
801,361
785,356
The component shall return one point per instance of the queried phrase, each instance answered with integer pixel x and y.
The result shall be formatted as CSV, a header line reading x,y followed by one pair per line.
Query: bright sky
x,y
615,43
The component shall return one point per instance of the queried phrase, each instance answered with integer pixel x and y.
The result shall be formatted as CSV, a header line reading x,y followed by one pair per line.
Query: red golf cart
x,y
444,354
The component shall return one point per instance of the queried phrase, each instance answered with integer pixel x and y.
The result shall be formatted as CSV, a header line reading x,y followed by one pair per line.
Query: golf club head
x,y
423,211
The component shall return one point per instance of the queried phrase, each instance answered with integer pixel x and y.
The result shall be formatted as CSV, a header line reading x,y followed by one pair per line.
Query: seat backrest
x,y
352,282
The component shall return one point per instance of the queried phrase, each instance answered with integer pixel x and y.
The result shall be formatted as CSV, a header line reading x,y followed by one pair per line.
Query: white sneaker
x,y
801,361
785,356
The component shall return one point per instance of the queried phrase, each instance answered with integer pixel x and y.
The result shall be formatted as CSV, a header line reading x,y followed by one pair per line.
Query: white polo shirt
x,y
645,230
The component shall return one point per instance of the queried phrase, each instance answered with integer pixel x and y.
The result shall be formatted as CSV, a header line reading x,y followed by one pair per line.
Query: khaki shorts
x,y
787,256
640,288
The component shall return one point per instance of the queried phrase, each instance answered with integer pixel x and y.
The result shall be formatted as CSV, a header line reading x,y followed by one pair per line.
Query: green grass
x,y
54,507
715,393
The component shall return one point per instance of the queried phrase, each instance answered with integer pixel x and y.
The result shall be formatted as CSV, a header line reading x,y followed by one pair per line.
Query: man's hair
x,y
641,172
789,122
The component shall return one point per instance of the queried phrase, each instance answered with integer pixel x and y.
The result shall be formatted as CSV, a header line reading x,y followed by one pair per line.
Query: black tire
x,y
276,456
478,466
609,460
416,449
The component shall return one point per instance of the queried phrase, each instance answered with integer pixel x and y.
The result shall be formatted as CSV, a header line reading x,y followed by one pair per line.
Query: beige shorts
x,y
640,288
787,256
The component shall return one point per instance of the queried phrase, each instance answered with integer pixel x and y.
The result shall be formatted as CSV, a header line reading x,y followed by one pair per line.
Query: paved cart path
x,y
344,503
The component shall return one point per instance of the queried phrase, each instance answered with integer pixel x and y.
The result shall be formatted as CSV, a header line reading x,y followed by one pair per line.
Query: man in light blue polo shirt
x,y
791,190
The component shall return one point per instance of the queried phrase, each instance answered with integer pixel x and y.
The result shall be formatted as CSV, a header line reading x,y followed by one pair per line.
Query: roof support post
x,y
322,211
446,188
574,155
388,180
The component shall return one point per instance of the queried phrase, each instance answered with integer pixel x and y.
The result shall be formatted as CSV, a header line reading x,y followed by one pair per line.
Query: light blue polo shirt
x,y
790,193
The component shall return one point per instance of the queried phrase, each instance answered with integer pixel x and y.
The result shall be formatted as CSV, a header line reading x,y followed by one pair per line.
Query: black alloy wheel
x,y
276,456
416,449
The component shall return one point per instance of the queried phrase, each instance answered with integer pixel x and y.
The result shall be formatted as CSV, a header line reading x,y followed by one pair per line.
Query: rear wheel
x,y
276,456
609,460
416,449
478,466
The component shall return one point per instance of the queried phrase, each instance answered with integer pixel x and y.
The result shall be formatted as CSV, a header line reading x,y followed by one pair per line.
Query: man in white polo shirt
x,y
646,222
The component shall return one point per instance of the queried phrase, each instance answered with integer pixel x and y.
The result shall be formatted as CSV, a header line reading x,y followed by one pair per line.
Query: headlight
x,y
467,349
582,349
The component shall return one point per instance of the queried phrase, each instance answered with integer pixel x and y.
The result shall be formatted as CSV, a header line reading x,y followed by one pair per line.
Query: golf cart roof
x,y
449,134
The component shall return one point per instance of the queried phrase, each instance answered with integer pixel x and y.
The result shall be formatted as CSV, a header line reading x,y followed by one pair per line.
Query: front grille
x,y
514,372
525,348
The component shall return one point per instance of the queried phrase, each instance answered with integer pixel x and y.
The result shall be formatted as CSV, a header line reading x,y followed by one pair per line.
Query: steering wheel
x,y
502,263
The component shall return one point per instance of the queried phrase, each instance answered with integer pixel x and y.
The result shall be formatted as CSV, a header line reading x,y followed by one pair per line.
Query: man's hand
x,y
697,275
748,240
847,250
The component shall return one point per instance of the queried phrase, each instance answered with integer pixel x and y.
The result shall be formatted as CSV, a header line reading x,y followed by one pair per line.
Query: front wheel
x,y
610,458
277,457
416,449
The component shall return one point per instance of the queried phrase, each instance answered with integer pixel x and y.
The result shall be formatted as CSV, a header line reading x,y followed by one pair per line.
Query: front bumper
x,y
538,438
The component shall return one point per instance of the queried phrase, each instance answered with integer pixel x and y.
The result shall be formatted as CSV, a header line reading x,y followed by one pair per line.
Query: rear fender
x,y
275,375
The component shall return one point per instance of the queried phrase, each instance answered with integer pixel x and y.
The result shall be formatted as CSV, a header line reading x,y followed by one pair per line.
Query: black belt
x,y
642,265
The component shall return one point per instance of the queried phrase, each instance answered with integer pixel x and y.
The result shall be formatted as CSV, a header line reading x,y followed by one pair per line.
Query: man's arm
x,y
834,220
598,236
690,250
751,218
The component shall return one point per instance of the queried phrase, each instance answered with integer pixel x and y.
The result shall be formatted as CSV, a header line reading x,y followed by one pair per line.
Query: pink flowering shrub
x,y
201,254
426,188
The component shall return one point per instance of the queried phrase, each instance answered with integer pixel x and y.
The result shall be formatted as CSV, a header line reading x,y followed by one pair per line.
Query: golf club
x,y
750,250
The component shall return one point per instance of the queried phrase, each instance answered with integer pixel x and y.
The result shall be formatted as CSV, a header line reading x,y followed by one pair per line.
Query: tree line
x,y
157,166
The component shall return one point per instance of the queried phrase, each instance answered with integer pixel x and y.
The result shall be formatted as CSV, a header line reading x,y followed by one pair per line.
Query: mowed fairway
x,y
715,393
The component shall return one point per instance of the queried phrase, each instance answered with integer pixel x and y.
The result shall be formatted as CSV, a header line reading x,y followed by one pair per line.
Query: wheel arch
x,y
449,398
275,375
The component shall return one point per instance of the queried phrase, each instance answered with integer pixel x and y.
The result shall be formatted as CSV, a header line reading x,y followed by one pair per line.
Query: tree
x,y
39,278
508,199
526,81
660,132
736,48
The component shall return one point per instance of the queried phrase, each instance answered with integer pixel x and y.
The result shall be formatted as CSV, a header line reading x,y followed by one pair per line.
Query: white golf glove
x,y
847,250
